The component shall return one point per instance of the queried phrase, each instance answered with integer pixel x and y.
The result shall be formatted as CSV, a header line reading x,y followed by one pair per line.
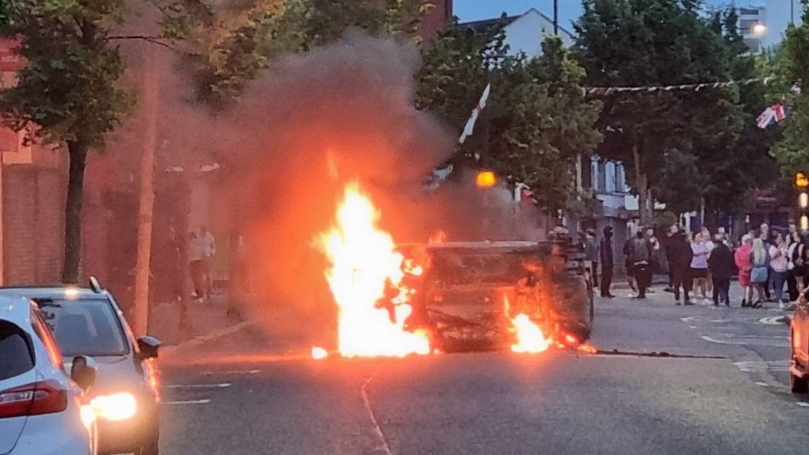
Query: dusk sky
x,y
569,10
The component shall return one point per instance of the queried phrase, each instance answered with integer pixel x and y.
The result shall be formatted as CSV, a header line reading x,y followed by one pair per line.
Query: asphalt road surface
x,y
719,387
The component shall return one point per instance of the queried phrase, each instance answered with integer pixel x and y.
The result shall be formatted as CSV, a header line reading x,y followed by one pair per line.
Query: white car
x,y
42,409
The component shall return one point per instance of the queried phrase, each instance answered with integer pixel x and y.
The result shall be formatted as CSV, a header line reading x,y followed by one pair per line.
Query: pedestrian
x,y
629,261
759,261
742,259
724,235
641,256
668,246
720,264
680,256
699,266
607,262
208,253
195,265
792,255
705,234
591,254
766,235
779,261
659,262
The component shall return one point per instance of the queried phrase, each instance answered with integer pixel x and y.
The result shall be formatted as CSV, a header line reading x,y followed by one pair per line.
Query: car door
x,y
17,368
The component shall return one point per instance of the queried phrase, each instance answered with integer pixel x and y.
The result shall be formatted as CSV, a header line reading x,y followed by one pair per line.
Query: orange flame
x,y
439,237
530,338
365,277
319,353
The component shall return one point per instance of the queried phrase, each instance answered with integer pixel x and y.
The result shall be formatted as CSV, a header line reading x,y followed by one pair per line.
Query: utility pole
x,y
792,12
556,17
143,267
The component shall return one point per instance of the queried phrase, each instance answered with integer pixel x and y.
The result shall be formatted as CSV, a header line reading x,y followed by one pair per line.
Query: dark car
x,y
799,370
87,321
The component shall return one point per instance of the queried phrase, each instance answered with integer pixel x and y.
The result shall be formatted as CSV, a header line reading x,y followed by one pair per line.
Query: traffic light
x,y
801,183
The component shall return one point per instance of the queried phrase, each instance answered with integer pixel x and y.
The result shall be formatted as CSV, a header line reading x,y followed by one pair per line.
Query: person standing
x,y
641,256
208,253
195,265
794,241
720,264
766,236
591,254
607,262
668,244
629,261
705,234
699,266
759,276
742,259
680,256
779,261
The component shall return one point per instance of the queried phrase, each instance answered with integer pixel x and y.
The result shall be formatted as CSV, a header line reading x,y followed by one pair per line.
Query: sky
x,y
569,10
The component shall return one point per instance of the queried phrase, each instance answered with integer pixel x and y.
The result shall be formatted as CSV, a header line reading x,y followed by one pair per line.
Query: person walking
x,y
195,265
607,262
591,254
759,261
699,266
720,264
779,261
680,256
641,256
742,259
208,253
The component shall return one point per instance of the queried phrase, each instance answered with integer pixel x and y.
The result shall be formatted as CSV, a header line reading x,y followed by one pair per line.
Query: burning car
x,y
489,295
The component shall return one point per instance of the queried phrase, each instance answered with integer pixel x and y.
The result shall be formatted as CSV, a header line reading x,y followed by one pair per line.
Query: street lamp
x,y
759,29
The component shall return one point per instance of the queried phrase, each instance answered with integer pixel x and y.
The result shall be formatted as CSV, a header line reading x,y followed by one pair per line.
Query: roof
x,y
487,24
51,292
15,309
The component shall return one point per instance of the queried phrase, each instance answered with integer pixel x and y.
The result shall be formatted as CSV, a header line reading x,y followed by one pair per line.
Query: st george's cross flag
x,y
470,124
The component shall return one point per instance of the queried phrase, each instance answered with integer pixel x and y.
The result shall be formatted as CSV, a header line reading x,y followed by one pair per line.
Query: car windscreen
x,y
84,326
16,352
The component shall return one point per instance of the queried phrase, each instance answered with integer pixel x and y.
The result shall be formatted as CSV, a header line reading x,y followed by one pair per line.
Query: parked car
x,y
42,411
799,370
87,321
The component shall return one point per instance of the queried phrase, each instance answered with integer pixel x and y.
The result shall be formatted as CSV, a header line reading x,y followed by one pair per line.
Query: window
x,y
16,351
84,327
619,178
602,176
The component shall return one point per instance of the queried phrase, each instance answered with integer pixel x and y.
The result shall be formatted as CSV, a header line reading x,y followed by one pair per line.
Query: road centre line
x,y
198,386
206,401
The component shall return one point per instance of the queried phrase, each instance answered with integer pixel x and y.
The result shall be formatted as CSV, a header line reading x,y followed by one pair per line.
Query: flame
x,y
319,353
530,338
439,237
365,277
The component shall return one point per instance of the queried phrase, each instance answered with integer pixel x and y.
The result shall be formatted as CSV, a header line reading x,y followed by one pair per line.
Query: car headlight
x,y
120,406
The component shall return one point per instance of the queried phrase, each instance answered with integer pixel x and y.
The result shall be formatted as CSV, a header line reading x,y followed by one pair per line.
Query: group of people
x,y
700,264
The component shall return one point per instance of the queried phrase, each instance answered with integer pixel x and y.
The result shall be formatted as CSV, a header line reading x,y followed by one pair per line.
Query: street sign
x,y
10,59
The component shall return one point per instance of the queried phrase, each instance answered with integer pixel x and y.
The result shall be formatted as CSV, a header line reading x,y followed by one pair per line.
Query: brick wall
x,y
439,17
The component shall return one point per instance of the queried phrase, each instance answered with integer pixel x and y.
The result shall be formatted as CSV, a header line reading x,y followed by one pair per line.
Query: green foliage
x,y
537,120
792,152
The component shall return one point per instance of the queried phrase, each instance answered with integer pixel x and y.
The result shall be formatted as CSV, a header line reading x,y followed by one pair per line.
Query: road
x,y
719,388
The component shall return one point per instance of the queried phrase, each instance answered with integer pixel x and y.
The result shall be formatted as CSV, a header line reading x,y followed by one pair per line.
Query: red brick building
x,y
439,17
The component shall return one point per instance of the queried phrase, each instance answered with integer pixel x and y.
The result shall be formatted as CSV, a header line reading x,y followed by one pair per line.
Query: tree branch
x,y
149,39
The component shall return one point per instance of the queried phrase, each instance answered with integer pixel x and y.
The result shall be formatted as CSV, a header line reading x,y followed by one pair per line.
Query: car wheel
x,y
152,446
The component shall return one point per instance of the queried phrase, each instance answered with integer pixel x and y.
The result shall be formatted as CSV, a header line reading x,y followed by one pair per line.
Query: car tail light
x,y
44,397
152,376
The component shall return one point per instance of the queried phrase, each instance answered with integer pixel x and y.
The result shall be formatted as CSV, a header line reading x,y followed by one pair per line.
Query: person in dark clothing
x,y
591,254
607,262
668,243
680,266
641,257
721,264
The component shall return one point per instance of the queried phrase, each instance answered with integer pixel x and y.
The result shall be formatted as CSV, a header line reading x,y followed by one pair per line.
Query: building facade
x,y
752,26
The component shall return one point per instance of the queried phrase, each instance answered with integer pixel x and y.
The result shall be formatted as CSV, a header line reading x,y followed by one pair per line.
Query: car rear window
x,y
84,326
16,352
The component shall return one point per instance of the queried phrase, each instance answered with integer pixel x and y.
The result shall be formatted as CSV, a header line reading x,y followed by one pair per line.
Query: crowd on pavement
x,y
700,265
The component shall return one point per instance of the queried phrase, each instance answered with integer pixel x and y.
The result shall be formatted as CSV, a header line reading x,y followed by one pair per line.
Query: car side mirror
x,y
83,371
148,347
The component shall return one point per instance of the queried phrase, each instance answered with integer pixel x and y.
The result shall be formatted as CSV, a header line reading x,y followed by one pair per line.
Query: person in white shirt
x,y
196,267
706,236
208,252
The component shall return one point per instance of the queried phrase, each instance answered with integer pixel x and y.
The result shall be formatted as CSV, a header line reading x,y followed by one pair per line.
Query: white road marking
x,y
198,386
761,341
803,404
208,373
760,366
772,320
692,327
762,384
206,401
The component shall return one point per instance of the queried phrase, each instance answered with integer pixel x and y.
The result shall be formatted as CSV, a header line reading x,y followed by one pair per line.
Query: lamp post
x,y
556,17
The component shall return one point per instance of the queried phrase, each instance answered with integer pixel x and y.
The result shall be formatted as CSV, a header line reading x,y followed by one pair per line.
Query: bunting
x,y
606,91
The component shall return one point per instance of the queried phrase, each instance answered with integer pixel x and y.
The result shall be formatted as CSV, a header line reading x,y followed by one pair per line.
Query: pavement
x,y
667,380
203,318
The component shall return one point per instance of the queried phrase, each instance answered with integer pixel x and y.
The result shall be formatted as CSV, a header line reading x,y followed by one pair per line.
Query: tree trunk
x,y
642,188
146,202
77,150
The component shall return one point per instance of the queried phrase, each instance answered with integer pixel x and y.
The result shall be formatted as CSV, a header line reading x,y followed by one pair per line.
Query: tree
x,y
537,120
792,151
652,43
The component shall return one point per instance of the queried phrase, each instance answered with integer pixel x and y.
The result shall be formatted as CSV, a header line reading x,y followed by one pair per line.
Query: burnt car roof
x,y
52,292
